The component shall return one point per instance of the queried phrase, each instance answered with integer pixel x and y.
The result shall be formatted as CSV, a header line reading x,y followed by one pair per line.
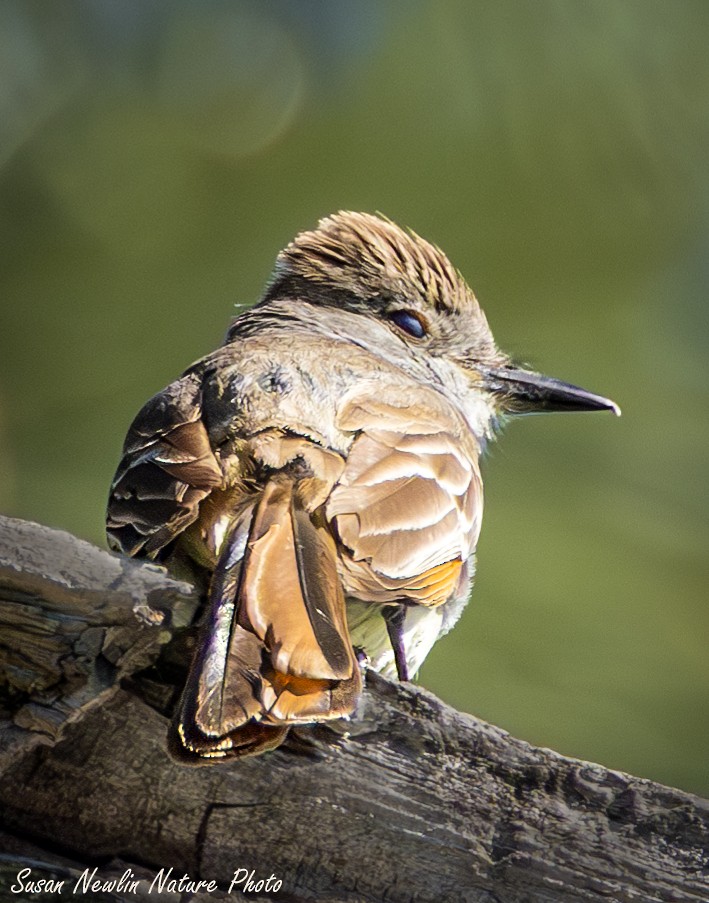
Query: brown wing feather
x,y
167,469
408,506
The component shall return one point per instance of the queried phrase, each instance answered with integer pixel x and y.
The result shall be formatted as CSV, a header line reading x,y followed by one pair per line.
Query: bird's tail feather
x,y
275,648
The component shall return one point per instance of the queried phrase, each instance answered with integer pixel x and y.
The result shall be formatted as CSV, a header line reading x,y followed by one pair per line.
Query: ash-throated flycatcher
x,y
323,466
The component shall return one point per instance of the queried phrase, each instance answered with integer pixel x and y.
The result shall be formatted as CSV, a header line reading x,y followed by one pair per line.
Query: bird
x,y
322,469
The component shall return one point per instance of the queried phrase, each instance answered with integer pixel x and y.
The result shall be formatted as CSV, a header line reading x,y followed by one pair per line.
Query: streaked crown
x,y
368,256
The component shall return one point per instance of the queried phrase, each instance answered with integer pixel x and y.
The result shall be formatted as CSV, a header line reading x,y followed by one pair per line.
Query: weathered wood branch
x,y
409,801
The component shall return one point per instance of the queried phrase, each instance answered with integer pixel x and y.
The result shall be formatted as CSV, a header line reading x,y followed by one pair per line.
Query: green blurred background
x,y
155,156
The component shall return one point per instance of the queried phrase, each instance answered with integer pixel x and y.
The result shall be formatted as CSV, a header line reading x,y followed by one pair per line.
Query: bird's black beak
x,y
526,392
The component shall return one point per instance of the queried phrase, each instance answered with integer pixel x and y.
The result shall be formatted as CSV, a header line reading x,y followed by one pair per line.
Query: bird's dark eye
x,y
409,321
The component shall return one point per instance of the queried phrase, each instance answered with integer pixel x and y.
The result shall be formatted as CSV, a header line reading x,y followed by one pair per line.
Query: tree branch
x,y
411,800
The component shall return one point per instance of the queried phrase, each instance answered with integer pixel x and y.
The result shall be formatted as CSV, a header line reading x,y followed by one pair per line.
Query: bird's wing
x,y
167,469
408,506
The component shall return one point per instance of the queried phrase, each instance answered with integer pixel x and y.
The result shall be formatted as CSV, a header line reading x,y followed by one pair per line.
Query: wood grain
x,y
410,801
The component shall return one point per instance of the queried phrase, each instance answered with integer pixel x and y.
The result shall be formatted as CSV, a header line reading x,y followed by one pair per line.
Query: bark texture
x,y
410,801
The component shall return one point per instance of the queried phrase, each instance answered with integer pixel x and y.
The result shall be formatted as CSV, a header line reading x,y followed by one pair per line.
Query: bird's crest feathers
x,y
367,255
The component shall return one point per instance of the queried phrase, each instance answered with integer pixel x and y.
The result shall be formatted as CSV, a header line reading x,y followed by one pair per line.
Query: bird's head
x,y
368,265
